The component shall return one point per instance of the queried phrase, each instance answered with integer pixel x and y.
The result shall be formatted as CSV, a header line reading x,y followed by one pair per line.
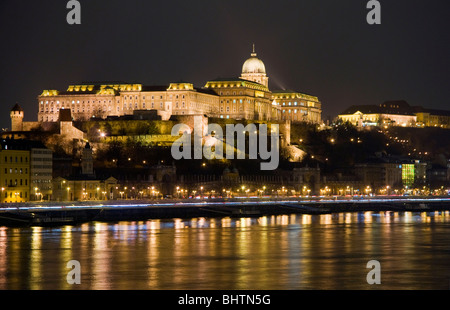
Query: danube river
x,y
285,252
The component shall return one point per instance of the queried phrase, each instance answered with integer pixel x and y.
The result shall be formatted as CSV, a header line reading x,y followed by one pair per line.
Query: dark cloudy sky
x,y
320,47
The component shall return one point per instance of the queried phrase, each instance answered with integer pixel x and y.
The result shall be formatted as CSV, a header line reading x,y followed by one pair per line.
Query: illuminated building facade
x,y
26,171
395,113
298,107
41,170
14,173
244,97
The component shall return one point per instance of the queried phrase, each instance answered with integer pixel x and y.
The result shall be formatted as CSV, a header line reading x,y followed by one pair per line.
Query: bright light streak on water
x,y
297,251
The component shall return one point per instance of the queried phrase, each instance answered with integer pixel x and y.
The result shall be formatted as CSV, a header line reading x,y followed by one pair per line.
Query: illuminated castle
x,y
245,97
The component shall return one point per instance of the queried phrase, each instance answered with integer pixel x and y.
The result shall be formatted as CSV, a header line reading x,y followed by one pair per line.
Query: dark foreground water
x,y
274,252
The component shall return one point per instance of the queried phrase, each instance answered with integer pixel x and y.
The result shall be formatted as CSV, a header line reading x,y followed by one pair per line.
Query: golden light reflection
x,y
244,222
3,257
153,253
212,223
156,254
306,219
154,224
368,217
244,246
101,264
325,219
36,258
282,220
226,222
262,221
194,222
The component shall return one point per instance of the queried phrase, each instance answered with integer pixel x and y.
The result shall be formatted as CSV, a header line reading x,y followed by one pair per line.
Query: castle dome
x,y
253,64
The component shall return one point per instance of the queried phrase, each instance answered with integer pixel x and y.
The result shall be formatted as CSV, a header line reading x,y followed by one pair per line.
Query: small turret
x,y
16,115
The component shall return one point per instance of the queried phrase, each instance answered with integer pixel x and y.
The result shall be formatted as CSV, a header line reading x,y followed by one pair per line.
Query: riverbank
x,y
71,213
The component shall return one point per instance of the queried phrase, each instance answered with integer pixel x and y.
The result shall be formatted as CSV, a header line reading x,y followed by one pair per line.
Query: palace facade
x,y
395,113
244,97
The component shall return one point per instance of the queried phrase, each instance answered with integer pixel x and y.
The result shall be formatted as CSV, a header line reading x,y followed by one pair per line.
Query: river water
x,y
287,252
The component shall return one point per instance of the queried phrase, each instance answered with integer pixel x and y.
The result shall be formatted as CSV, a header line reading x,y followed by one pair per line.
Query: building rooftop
x,y
399,107
17,108
21,144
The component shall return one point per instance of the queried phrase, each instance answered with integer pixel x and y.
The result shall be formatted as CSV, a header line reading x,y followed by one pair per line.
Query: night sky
x,y
320,47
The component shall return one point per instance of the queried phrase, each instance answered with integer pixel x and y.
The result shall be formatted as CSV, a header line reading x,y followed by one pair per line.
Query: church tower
x,y
16,115
87,161
254,70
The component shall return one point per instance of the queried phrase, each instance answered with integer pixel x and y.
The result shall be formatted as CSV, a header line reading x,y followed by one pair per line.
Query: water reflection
x,y
327,251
